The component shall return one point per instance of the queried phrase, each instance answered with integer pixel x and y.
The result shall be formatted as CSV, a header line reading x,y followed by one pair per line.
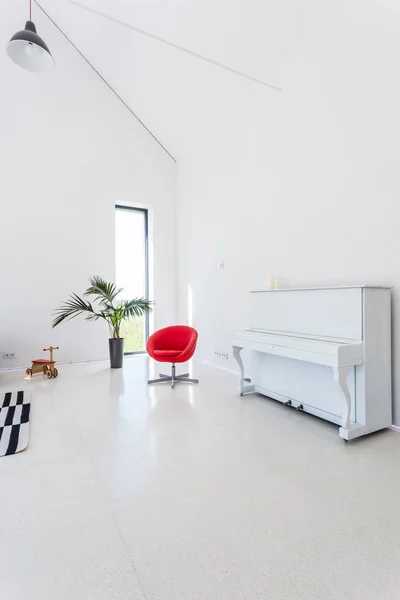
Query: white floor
x,y
131,493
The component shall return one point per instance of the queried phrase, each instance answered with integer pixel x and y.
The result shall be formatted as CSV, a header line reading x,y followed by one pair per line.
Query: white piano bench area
x,y
326,351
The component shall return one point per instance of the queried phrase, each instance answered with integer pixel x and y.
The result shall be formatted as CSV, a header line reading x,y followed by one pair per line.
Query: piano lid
x,y
327,287
322,312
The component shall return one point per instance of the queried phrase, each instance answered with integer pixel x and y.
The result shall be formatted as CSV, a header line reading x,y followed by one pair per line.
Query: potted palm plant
x,y
105,306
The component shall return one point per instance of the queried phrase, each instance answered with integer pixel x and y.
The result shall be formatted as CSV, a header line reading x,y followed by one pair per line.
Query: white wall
x,y
69,150
304,184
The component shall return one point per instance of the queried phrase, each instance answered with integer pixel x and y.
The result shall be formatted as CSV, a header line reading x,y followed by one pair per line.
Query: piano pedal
x,y
287,403
299,407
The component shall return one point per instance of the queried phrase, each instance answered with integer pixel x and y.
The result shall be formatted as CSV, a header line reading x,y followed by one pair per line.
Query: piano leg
x,y
243,386
340,375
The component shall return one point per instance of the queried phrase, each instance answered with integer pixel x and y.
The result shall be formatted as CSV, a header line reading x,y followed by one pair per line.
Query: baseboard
x,y
75,362
394,427
215,366
70,362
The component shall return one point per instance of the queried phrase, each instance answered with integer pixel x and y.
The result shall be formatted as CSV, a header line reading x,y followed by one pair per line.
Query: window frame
x,y
145,213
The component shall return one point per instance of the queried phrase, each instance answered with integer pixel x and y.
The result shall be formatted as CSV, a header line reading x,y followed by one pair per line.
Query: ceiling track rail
x,y
175,46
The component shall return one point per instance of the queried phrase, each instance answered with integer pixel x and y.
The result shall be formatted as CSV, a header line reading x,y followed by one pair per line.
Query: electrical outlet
x,y
8,355
221,354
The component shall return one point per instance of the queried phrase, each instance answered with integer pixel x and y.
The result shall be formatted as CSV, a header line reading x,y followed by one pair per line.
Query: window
x,y
132,273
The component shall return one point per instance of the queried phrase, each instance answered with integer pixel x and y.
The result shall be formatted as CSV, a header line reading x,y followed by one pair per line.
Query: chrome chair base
x,y
173,378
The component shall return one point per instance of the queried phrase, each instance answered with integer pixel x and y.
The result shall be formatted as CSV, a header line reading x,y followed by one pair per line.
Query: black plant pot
x,y
116,346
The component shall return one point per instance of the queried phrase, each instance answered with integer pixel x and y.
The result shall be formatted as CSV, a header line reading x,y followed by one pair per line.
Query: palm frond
x,y
71,308
136,307
96,316
102,290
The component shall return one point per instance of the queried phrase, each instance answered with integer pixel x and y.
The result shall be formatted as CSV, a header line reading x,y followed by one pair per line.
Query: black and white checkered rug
x,y
14,422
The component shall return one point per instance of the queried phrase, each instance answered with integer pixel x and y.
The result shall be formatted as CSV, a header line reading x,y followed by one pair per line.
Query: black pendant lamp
x,y
28,50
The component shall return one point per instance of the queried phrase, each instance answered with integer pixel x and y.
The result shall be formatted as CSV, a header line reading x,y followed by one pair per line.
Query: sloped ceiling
x,y
174,93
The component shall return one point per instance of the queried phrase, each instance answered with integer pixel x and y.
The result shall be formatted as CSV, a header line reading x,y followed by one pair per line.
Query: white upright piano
x,y
326,351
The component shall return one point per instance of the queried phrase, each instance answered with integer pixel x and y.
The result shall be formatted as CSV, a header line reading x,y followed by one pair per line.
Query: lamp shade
x,y
29,51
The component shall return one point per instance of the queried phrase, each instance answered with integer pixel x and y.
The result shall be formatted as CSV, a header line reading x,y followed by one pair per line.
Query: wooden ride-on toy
x,y
44,366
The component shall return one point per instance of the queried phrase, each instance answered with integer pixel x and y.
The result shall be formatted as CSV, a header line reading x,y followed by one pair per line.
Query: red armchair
x,y
174,344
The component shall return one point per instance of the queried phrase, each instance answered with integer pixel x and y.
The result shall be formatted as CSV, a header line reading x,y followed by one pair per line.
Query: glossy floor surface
x,y
132,492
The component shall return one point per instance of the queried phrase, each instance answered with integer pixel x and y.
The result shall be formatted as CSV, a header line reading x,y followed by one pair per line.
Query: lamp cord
x,y
30,10
40,7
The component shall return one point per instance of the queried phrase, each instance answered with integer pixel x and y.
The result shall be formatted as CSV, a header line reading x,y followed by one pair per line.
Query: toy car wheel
x,y
28,373
49,374
55,373
45,368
